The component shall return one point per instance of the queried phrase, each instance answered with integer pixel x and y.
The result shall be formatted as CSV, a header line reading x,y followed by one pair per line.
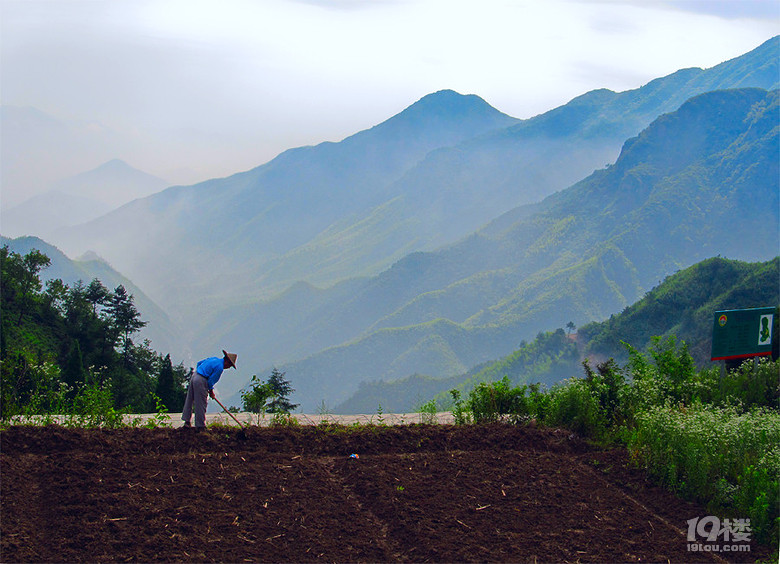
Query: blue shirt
x,y
211,368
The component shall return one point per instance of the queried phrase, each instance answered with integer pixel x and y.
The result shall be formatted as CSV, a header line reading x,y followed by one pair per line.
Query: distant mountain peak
x,y
448,95
91,256
114,163
113,183
450,103
118,166
448,114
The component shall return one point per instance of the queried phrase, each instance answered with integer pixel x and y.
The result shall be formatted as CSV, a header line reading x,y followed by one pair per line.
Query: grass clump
x,y
428,413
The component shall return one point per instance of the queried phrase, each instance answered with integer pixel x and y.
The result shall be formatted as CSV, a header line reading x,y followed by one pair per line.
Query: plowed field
x,y
435,493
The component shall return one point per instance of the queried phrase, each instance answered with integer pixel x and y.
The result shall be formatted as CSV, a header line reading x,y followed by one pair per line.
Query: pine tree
x,y
166,388
281,389
73,371
125,316
96,294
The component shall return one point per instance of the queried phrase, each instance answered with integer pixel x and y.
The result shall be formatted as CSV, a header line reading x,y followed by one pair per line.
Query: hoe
x,y
242,432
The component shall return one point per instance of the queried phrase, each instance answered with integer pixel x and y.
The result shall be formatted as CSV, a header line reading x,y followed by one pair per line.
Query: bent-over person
x,y
202,382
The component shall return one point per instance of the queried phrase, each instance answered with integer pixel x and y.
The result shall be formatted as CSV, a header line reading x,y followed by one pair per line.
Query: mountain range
x,y
424,178
85,196
697,182
425,244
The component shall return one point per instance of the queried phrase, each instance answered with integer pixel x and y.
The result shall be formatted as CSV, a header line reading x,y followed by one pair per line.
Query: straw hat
x,y
231,358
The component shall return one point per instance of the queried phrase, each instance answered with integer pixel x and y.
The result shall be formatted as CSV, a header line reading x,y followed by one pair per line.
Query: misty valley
x,y
449,245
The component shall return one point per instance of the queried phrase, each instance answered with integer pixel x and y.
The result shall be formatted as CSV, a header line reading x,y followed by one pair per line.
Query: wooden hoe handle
x,y
226,411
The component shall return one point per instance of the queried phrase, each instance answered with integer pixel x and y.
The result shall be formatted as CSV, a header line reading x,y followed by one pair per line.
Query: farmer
x,y
202,382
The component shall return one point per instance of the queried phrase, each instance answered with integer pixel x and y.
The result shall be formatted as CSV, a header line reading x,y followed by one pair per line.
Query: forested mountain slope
x,y
682,306
160,330
698,182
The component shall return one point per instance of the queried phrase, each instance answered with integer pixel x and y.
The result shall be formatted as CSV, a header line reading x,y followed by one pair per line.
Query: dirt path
x,y
433,493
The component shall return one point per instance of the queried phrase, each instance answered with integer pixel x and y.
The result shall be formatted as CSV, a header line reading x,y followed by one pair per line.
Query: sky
x,y
193,89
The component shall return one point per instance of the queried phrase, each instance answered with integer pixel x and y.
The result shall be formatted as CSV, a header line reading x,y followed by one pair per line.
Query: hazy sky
x,y
197,89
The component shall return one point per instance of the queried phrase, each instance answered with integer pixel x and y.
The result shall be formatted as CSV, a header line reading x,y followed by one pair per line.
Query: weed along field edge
x,y
337,493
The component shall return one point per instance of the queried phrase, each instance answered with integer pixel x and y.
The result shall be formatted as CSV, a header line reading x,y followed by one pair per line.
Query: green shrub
x,y
94,407
460,409
489,401
754,384
572,405
428,412
757,496
46,394
539,402
606,385
256,395
670,378
282,419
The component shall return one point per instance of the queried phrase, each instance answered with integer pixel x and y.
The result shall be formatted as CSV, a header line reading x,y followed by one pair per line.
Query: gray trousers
x,y
197,397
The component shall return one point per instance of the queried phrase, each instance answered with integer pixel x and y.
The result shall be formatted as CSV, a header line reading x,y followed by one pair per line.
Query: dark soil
x,y
414,493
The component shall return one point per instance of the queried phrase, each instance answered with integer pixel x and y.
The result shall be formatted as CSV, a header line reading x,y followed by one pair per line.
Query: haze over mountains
x,y
426,177
420,246
697,182
80,198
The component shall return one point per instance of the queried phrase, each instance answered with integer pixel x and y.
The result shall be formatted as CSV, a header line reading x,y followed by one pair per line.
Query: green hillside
x,y
160,330
681,306
72,349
